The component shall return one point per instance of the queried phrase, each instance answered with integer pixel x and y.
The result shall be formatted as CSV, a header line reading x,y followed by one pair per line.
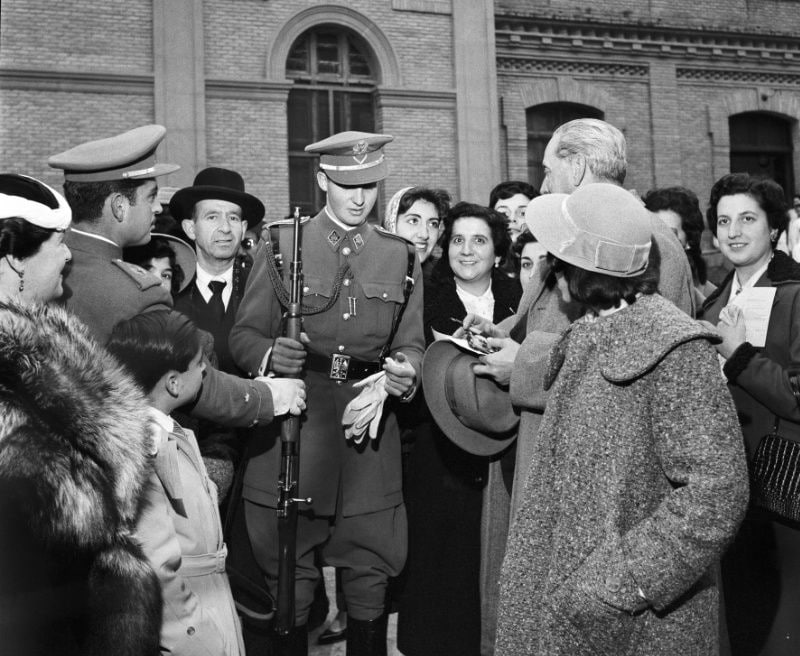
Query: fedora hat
x,y
218,184
473,412
599,227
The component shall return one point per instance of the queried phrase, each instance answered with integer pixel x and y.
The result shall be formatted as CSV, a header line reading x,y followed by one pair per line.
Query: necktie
x,y
215,304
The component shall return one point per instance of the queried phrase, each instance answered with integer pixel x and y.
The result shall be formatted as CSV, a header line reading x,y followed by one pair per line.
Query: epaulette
x,y
383,231
142,277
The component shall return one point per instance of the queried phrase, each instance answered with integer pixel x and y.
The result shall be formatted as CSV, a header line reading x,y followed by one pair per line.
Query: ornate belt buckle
x,y
339,366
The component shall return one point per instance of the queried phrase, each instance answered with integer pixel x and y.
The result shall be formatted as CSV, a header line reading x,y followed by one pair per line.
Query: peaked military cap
x,y
352,158
127,156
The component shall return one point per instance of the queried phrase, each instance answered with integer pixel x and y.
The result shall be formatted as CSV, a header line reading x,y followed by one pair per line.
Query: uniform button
x,y
384,295
305,290
346,282
190,630
346,250
341,348
346,316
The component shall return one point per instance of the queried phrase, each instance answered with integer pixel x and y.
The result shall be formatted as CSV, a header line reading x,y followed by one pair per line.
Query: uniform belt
x,y
204,564
341,367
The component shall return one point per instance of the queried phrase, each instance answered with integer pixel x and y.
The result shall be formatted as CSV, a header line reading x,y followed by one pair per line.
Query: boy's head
x,y
162,349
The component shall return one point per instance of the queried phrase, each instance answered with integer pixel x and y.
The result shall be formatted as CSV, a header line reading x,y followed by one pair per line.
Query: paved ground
x,y
338,649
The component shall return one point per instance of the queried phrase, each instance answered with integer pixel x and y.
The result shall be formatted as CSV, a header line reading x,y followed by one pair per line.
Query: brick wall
x,y
86,35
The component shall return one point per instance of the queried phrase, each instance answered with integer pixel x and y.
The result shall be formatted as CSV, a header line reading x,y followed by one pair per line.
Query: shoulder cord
x,y
408,287
283,294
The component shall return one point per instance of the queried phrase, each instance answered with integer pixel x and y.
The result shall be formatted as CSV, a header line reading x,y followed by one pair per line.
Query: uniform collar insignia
x,y
334,238
358,241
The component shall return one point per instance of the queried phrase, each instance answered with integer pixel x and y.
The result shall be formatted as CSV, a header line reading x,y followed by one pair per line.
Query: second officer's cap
x,y
352,158
127,156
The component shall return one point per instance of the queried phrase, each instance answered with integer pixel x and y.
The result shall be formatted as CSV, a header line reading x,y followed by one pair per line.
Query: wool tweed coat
x,y
637,484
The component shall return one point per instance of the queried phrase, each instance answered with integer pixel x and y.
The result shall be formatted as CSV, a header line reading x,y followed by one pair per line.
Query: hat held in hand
x,y
473,411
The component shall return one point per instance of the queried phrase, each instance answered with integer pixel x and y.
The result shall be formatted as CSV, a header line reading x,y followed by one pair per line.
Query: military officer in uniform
x,y
111,187
367,320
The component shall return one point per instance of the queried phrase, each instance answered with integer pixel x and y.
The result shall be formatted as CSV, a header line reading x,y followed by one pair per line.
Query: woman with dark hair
x,y
637,478
761,570
74,457
528,253
416,214
679,209
440,607
169,258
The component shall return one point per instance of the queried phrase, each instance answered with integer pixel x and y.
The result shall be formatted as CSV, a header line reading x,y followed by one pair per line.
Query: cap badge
x,y
360,151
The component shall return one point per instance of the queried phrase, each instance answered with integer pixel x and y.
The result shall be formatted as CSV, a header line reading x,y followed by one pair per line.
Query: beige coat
x,y
181,535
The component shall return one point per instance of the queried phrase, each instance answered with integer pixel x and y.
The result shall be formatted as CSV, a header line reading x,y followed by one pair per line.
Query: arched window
x,y
541,121
334,78
761,144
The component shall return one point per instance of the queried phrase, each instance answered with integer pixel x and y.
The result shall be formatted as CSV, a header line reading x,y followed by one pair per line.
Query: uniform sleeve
x,y
257,319
232,401
766,380
699,446
410,338
186,629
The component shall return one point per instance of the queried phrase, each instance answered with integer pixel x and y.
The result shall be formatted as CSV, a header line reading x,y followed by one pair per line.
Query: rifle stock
x,y
290,457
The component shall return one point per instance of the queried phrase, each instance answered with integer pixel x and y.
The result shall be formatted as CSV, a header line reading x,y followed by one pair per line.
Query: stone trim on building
x,y
424,6
388,67
75,81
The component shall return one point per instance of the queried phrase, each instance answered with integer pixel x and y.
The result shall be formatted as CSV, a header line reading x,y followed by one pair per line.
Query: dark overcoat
x,y
358,324
761,571
444,498
637,484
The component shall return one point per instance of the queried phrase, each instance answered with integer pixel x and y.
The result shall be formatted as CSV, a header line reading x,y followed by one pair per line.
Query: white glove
x,y
288,394
366,409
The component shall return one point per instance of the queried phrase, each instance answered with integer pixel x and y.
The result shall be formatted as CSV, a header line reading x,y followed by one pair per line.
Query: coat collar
x,y
338,237
782,269
634,340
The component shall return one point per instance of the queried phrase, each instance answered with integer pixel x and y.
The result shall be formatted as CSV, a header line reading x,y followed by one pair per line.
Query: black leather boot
x,y
293,644
366,637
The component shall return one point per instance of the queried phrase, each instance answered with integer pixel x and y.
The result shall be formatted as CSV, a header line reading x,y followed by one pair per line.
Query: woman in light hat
x,y
638,479
74,457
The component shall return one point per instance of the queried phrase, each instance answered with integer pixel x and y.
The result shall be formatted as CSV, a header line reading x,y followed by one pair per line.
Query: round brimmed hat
x,y
185,256
599,227
218,184
473,412
24,197
352,158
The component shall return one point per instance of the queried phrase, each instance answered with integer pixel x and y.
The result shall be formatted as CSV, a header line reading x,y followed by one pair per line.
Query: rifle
x,y
290,456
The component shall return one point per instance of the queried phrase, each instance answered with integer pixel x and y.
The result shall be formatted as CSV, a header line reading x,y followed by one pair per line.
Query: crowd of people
x,y
543,425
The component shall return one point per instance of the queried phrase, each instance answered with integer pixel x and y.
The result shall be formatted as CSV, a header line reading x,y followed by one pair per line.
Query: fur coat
x,y
638,482
74,457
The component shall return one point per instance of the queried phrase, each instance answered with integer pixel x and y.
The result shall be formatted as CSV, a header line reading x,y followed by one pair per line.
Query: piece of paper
x,y
756,303
460,342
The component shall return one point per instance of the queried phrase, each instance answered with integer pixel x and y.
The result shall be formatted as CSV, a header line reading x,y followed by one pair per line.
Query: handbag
x,y
775,470
775,476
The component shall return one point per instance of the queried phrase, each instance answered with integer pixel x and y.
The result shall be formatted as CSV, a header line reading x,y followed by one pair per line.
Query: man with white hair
x,y
580,152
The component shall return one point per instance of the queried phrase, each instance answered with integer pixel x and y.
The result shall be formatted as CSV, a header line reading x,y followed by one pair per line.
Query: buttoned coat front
x,y
358,324
637,483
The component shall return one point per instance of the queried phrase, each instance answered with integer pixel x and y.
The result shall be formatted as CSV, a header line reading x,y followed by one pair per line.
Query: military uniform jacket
x,y
101,290
358,324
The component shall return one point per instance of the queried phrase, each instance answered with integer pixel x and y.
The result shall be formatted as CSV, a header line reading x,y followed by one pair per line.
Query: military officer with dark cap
x,y
111,187
365,328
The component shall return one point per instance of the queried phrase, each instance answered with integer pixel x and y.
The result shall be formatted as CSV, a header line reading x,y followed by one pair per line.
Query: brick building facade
x,y
456,81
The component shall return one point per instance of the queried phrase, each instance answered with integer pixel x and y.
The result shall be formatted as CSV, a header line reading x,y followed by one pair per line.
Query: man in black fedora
x,y
214,213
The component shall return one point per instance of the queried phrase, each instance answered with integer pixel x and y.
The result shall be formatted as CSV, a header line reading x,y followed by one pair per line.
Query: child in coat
x,y
180,529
